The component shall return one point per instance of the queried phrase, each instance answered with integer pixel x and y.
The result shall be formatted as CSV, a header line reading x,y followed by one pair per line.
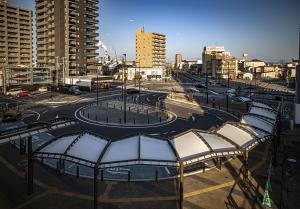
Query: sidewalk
x,y
291,168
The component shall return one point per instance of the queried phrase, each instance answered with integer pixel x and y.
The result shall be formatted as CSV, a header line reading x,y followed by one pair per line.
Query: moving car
x,y
75,90
132,91
200,86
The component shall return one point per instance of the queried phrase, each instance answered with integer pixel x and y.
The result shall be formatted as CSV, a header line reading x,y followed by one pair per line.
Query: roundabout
x,y
111,113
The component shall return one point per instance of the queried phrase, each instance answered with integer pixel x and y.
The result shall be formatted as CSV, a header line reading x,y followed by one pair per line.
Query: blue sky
x,y
265,29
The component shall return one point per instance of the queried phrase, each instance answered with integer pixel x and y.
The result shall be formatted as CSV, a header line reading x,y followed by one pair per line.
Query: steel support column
x,y
245,170
181,172
29,167
95,188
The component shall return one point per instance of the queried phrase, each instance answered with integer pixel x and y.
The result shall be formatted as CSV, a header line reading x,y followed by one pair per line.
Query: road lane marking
x,y
38,114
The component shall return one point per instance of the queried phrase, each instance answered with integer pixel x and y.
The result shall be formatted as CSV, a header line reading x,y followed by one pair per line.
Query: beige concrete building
x,y
15,36
4,1
150,49
218,63
67,34
178,60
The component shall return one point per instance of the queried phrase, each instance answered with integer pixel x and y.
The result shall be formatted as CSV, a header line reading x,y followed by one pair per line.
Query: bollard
x,y
96,117
120,120
106,119
102,175
106,105
147,112
121,107
133,121
77,172
88,115
156,175
160,119
148,121
57,166
291,124
114,106
14,144
42,161
203,167
128,176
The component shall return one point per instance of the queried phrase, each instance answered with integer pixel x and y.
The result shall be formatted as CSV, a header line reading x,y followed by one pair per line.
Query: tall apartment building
x,y
15,36
178,60
218,63
150,49
4,1
67,36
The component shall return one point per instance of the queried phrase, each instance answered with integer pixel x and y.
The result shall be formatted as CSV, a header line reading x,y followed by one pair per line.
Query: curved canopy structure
x,y
187,148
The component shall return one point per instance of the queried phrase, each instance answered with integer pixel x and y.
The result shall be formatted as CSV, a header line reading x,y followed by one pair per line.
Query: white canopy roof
x,y
188,147
263,112
257,122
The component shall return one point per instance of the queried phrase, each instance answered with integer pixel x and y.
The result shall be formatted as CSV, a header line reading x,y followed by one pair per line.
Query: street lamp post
x,y
134,74
124,78
97,86
140,77
206,83
227,99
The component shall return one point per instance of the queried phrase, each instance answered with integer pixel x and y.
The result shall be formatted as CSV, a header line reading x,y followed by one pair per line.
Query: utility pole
x,y
297,94
64,70
125,78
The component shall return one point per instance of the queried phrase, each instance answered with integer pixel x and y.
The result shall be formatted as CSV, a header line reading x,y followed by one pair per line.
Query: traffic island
x,y
112,113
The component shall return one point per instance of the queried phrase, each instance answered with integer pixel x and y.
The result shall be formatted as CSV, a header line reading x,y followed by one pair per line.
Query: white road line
x,y
38,114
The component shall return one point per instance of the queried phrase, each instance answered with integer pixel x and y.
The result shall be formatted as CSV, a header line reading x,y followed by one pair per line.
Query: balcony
x,y
92,20
41,4
72,57
91,47
72,36
72,51
92,67
91,34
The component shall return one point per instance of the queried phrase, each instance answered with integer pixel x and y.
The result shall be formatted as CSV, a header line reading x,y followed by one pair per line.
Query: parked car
x,y
23,94
132,91
13,92
43,89
11,115
75,90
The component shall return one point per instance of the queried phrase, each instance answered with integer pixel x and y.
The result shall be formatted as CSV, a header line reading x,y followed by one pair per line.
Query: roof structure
x,y
193,146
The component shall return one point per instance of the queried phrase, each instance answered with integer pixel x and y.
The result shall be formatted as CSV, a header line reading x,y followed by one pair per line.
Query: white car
x,y
43,89
14,92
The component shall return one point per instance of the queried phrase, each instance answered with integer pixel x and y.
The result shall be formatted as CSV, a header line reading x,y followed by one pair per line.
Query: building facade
x,y
25,76
15,36
178,60
4,1
218,63
67,36
150,49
